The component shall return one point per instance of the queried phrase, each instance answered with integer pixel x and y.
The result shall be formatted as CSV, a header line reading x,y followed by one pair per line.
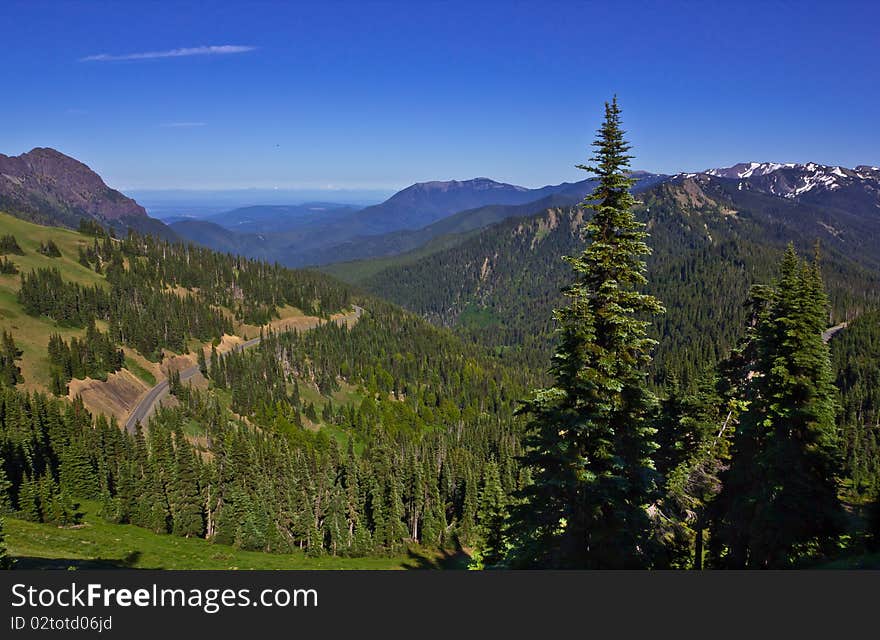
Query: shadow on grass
x,y
446,559
31,562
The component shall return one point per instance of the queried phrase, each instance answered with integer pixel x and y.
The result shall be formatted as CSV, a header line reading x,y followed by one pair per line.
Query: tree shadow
x,y
445,559
35,562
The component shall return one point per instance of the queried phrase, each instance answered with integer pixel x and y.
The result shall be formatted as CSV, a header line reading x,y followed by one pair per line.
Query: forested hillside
x,y
856,357
348,441
499,287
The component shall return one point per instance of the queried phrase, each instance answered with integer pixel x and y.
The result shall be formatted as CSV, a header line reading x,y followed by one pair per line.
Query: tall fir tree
x,y
491,515
203,364
10,372
779,500
186,500
5,502
4,507
591,439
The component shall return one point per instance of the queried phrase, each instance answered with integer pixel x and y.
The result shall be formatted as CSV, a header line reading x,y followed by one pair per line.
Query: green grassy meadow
x,y
96,544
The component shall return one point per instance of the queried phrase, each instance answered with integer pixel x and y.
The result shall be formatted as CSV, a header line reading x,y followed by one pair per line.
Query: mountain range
x,y
409,219
46,186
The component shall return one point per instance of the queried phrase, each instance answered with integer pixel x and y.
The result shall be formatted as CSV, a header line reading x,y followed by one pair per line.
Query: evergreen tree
x,y
310,412
203,365
186,506
76,472
336,524
7,266
4,508
29,500
5,502
378,513
8,244
4,558
780,495
396,527
10,373
591,440
470,504
49,249
491,516
694,433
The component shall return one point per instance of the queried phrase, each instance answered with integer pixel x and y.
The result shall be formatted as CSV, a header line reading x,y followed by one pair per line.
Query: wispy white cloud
x,y
213,50
182,125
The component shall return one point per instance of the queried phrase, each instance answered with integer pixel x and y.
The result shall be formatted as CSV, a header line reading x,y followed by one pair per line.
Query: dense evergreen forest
x,y
856,357
675,406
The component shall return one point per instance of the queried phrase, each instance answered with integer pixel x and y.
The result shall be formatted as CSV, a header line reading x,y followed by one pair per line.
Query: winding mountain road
x,y
148,403
831,331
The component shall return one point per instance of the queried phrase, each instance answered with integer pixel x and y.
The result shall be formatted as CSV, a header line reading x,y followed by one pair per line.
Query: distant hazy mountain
x,y
396,242
302,235
425,202
409,209
210,234
48,187
275,218
200,204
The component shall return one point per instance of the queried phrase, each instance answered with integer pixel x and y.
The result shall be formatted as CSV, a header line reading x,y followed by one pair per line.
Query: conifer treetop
x,y
610,157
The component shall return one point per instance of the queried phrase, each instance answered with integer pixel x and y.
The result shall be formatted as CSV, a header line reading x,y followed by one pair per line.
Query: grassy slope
x,y
32,334
100,545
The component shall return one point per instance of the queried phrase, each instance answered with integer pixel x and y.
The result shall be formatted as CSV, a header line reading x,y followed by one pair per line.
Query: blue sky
x,y
373,95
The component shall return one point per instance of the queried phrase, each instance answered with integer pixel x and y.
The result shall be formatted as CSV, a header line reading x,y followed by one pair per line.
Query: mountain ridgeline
x,y
48,187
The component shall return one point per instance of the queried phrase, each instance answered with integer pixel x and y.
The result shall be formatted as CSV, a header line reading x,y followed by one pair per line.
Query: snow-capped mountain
x,y
793,180
837,206
749,169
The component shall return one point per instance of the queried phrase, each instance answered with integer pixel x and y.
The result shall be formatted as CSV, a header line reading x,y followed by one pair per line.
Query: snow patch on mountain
x,y
812,181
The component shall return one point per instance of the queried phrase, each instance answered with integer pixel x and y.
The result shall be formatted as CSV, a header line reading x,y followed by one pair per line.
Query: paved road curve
x,y
147,404
831,331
